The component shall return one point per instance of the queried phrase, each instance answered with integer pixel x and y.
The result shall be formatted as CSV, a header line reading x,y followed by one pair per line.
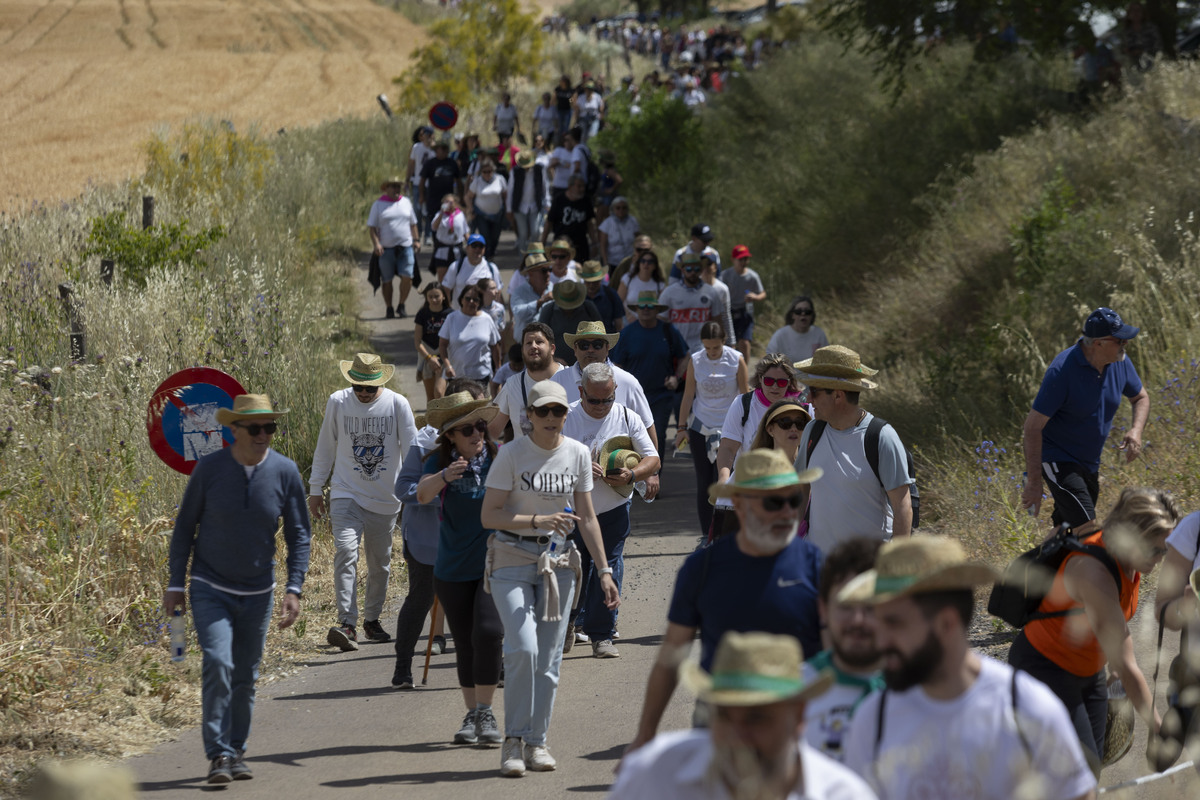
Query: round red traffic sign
x,y
443,116
181,418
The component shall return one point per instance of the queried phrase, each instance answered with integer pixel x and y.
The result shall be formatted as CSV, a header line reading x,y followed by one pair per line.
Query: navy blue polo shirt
x,y
1080,402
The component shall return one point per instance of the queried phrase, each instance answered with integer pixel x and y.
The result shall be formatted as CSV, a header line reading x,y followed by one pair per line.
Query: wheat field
x,y
84,83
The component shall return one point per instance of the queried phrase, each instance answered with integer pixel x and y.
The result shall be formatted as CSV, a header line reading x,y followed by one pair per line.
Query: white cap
x,y
546,393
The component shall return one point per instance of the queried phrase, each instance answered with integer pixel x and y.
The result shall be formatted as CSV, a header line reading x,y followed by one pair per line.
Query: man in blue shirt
x,y
655,353
1072,416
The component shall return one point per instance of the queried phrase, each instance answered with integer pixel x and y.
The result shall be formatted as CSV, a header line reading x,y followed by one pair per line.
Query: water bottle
x,y
641,489
558,539
178,635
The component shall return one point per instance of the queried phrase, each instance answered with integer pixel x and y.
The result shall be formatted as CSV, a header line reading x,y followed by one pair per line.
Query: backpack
x,y
871,445
1027,580
592,181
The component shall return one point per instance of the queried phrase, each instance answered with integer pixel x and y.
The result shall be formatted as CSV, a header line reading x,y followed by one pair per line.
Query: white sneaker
x,y
512,765
581,637
538,758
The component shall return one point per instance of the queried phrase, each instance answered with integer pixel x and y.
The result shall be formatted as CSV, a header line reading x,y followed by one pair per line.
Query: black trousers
x,y
476,628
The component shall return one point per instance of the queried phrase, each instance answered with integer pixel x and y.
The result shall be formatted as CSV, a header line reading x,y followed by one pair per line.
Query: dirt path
x,y
84,83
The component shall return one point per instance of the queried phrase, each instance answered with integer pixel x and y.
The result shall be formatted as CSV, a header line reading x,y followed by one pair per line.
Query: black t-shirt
x,y
569,218
430,323
564,98
441,175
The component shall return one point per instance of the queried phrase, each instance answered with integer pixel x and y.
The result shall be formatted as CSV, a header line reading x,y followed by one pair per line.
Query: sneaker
x,y
466,734
616,635
538,758
219,771
569,641
512,763
581,637
375,632
343,637
239,768
402,678
604,649
391,313
486,729
401,313
439,645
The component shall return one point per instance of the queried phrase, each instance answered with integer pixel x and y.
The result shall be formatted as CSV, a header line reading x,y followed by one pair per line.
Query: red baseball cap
x,y
741,251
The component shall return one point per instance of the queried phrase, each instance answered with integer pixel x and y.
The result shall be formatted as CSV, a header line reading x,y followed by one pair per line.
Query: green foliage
x,y
205,160
485,47
140,252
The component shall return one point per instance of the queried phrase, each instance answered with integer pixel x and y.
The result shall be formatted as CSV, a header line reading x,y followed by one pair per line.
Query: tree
x,y
485,46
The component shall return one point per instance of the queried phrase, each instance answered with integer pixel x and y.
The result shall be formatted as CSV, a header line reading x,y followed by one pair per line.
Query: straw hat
x,y
589,330
1118,733
534,261
753,669
249,407
367,369
616,453
647,300
395,180
457,409
917,565
563,244
568,295
835,367
760,471
590,271
526,159
783,407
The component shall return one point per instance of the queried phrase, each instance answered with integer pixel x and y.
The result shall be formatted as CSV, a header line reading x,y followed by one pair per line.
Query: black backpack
x,y
871,445
592,181
1018,594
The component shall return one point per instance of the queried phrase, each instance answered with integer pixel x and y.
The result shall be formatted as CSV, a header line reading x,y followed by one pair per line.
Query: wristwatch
x,y
605,571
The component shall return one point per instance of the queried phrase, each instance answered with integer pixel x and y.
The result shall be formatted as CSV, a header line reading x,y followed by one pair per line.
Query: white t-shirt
x,y
848,501
969,748
629,390
506,118
419,154
592,433
621,234
716,385
545,118
589,105
393,220
797,346
827,716
498,313
675,766
463,273
470,343
513,399
732,427
562,170
540,481
634,285
579,161
489,195
1185,539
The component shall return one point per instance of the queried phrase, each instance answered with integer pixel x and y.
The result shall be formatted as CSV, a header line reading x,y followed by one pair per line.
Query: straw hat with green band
x,y
367,369
568,295
835,367
753,669
591,271
618,453
917,565
647,300
761,471
590,330
249,407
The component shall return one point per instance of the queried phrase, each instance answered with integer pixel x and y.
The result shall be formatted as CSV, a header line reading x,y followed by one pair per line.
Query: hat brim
x,y
808,476
834,370
843,384
386,373
439,417
700,683
227,416
864,589
611,338
658,307
487,414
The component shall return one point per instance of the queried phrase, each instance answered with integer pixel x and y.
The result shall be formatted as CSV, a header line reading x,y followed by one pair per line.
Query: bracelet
x,y
443,475
533,522
605,571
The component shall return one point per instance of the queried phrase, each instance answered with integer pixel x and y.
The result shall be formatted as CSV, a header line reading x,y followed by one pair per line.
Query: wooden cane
x,y
433,612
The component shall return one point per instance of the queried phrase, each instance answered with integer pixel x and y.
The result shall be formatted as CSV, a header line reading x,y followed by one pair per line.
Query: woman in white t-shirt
x,y
589,111
469,342
485,204
715,376
799,339
644,275
617,233
450,231
539,486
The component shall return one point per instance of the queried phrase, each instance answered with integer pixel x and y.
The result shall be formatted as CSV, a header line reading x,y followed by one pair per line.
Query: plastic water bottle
x,y
641,489
178,635
558,538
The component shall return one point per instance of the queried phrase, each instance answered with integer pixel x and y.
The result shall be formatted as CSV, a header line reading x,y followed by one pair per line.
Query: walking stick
x,y
433,612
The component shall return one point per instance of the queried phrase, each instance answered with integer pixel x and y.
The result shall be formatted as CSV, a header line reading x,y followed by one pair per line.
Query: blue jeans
x,y
599,621
564,125
489,226
527,230
396,262
232,631
532,649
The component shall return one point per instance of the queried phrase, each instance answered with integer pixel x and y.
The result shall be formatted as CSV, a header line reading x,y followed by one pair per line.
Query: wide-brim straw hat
x,y
835,367
526,159
534,261
589,330
246,407
569,295
457,409
590,271
563,244
367,369
753,669
646,300
917,565
764,471
785,407
395,180
1118,733
617,453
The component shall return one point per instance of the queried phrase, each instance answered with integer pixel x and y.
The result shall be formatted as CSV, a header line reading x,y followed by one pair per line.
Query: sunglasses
x,y
467,430
787,423
646,261
807,312
366,389
254,429
691,269
641,249
559,257
543,272
592,344
545,411
781,382
775,502
472,299
608,401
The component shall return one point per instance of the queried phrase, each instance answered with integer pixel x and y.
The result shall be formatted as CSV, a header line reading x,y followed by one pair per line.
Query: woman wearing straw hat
x,y
456,473
537,491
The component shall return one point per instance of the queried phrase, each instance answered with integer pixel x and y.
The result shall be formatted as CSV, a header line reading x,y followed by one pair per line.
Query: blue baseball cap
x,y
479,240
1106,322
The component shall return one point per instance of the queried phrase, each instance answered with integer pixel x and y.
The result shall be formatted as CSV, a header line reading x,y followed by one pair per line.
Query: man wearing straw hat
x,y
850,501
527,296
366,433
527,192
623,453
755,747
952,723
762,578
226,527
568,309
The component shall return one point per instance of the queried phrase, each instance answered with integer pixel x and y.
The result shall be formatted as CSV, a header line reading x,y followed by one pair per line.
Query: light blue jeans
x,y
351,524
232,631
532,649
527,230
